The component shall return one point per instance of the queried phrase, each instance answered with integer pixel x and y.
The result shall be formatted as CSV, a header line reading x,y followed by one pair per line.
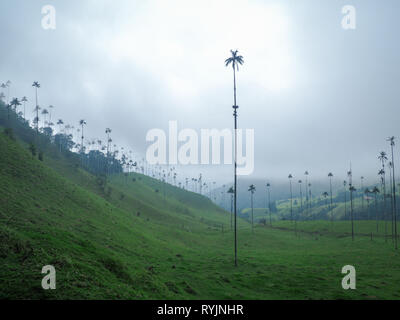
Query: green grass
x,y
54,213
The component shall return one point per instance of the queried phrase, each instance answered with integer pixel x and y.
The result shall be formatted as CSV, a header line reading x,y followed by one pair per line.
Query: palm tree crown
x,y
235,60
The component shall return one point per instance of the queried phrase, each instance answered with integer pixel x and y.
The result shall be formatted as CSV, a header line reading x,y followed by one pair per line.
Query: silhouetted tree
x,y
235,60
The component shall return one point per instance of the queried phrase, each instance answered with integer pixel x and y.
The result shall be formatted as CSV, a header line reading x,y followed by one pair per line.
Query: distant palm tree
x,y
252,189
14,103
269,202
8,85
330,175
51,107
351,189
362,198
45,112
375,191
306,174
24,100
345,200
301,195
2,96
82,123
291,197
325,195
383,158
36,85
235,60
392,144
367,192
310,199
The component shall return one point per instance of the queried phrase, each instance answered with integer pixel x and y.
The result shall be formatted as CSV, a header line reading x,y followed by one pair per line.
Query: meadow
x,y
139,238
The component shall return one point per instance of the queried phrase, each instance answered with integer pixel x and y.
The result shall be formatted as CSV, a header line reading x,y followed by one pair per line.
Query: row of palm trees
x,y
92,151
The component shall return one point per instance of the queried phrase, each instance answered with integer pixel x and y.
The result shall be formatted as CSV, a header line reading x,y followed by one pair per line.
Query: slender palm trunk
x,y
235,107
37,113
330,207
269,207
394,201
351,214
345,204
252,214
231,212
291,202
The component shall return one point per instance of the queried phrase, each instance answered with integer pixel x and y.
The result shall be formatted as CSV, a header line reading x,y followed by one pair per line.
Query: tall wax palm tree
x,y
291,197
2,96
330,176
375,191
24,100
36,85
392,144
252,189
269,202
235,60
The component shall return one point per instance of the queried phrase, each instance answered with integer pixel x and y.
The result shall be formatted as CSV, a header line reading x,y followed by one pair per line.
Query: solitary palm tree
x,y
330,175
291,197
37,86
235,60
252,189
394,212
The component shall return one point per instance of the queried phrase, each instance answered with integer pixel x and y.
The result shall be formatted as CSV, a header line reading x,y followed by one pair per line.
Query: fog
x,y
317,96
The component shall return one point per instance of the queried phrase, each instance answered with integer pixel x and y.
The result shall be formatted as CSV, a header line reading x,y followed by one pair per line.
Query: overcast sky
x,y
317,96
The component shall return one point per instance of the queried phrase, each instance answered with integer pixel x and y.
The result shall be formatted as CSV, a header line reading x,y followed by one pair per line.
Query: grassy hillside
x,y
128,241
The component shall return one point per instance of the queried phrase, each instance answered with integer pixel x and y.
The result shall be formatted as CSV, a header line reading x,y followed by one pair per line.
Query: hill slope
x,y
128,241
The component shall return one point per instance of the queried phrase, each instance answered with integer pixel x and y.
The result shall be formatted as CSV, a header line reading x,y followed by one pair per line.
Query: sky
x,y
317,96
